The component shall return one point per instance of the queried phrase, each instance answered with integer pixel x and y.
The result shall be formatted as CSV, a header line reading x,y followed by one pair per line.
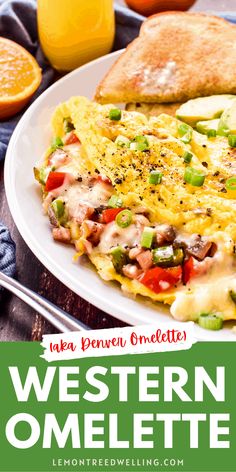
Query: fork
x,y
57,317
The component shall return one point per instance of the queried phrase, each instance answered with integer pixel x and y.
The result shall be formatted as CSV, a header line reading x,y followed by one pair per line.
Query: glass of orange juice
x,y
73,32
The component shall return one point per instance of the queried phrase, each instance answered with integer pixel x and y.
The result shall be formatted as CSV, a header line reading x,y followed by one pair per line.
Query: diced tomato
x,y
71,138
158,280
104,179
110,214
54,180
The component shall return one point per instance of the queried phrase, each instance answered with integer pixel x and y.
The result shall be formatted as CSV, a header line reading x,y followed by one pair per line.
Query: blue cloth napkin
x,y
7,252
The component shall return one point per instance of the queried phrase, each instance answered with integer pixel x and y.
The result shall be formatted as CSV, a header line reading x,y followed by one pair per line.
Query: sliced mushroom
x,y
165,234
200,249
145,260
52,217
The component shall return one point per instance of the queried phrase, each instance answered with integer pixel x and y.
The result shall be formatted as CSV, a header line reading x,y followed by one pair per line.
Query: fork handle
x,y
57,317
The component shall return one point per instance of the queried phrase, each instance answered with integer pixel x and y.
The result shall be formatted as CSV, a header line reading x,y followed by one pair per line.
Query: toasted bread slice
x,y
177,56
153,109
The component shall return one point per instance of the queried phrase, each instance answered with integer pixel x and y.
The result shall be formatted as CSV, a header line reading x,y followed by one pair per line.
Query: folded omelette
x,y
147,200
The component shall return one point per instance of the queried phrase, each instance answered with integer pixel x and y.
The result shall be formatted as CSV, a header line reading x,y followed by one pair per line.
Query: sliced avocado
x,y
227,123
206,127
203,108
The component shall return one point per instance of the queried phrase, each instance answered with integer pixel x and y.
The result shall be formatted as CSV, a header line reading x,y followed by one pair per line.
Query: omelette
x,y
150,201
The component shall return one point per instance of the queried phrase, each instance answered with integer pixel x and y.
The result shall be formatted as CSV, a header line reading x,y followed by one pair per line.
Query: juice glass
x,y
73,32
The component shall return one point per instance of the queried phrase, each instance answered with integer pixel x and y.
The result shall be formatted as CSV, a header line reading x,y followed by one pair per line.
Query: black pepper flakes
x,y
209,211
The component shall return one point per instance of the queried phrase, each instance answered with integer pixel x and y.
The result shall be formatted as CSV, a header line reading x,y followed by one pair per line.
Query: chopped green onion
x,y
210,321
122,141
155,177
187,157
115,202
115,114
211,133
58,208
232,140
67,125
139,143
231,183
119,257
194,177
36,173
147,237
56,143
163,256
233,295
178,257
124,218
223,131
185,132
41,175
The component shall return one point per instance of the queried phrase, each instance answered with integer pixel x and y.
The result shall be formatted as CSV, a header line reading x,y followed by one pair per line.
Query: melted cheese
x,y
82,194
113,235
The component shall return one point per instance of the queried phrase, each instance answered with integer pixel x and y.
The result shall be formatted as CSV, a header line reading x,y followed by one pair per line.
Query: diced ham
x,y
131,271
145,260
61,234
134,252
92,230
82,212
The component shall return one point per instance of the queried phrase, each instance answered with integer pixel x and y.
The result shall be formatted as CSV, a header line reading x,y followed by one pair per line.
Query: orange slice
x,y
20,76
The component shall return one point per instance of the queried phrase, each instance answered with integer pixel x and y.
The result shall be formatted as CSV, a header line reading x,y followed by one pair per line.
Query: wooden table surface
x,y
17,320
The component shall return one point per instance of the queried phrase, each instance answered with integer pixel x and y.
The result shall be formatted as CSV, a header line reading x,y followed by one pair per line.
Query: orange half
x,y
20,77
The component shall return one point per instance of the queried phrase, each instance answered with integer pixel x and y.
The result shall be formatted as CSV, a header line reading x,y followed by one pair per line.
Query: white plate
x,y
27,144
